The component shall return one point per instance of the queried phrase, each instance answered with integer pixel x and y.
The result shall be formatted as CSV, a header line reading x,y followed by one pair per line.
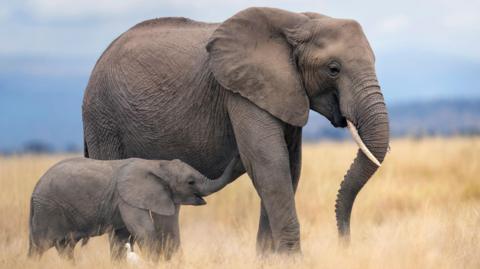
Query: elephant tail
x,y
31,245
85,148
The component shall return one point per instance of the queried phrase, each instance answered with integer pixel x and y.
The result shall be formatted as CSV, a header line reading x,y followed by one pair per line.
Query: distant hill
x,y
416,119
41,97
45,113
442,117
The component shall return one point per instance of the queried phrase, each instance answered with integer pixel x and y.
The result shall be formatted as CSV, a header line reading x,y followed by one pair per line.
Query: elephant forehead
x,y
183,169
330,30
347,46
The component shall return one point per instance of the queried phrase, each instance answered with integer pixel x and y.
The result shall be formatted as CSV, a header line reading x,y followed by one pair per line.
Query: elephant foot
x,y
265,247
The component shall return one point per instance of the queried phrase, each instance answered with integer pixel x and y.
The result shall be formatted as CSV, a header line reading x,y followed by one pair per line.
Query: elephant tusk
x,y
361,145
150,213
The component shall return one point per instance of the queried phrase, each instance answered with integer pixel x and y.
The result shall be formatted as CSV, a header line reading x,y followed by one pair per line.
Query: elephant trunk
x,y
369,116
208,186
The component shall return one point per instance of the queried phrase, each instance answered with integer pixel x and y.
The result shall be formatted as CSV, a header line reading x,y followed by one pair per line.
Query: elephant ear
x,y
250,55
140,188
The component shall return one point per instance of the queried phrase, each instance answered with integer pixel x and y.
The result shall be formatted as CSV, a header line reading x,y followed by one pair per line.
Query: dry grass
x,y
422,210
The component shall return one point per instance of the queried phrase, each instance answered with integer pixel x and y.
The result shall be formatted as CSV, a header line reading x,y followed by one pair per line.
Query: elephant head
x,y
159,187
287,63
189,185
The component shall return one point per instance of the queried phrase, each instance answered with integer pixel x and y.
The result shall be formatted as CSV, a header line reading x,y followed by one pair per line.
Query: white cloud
x,y
46,9
4,14
439,25
462,20
394,23
204,9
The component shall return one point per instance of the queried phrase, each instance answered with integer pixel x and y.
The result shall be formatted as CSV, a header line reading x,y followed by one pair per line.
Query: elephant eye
x,y
333,69
191,182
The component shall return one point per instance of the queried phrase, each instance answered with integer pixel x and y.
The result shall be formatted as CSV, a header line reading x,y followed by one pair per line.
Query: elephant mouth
x,y
338,121
199,200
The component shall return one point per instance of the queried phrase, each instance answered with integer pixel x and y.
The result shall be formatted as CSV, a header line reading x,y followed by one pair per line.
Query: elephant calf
x,y
79,198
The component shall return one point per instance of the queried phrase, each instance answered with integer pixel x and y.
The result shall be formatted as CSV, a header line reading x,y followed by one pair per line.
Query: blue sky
x,y
425,50
62,38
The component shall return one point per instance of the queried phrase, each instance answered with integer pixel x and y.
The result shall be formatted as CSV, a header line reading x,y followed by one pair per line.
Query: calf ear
x,y
140,188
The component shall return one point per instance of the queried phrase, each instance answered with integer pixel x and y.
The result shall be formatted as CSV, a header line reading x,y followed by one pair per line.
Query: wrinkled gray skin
x,y
80,198
176,88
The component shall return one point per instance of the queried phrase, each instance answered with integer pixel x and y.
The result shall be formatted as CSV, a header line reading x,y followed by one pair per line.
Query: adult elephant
x,y
176,88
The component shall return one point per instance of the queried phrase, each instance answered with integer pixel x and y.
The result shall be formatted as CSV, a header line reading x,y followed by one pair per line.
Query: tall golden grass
x,y
421,210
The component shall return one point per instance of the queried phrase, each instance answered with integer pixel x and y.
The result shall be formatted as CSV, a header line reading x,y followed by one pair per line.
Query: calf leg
x,y
117,239
168,235
140,224
65,248
36,249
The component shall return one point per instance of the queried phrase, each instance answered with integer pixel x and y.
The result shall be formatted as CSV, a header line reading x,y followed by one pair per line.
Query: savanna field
x,y
421,210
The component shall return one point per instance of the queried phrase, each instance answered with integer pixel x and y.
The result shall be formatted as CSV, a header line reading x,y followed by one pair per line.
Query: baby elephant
x,y
79,198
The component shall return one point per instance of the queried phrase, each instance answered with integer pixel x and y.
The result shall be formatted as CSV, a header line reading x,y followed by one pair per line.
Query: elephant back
x,y
170,39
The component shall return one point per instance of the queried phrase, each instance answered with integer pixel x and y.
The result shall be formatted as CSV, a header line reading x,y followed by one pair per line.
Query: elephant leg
x,y
263,149
168,243
36,249
117,239
65,248
264,234
168,233
293,137
140,224
36,252
39,242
